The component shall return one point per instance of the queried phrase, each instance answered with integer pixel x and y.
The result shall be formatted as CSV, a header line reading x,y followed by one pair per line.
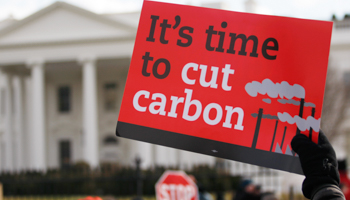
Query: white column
x,y
20,135
144,151
172,157
90,118
178,158
8,133
37,138
153,160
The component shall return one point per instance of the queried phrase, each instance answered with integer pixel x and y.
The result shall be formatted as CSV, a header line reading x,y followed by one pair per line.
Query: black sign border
x,y
210,147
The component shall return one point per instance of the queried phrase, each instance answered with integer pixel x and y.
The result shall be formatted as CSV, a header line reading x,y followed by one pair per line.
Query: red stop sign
x,y
176,185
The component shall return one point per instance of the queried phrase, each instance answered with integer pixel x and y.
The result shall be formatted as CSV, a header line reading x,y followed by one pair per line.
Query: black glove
x,y
318,161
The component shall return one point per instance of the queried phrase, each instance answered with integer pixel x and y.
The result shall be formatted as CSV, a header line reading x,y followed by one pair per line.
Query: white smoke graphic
x,y
302,124
267,101
273,90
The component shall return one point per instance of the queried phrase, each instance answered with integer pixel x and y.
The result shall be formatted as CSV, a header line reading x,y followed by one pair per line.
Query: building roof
x,y
62,31
64,22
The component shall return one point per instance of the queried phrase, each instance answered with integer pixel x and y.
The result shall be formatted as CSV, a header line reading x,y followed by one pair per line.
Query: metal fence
x,y
103,182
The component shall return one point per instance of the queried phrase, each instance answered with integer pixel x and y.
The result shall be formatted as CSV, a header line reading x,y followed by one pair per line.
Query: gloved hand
x,y
318,161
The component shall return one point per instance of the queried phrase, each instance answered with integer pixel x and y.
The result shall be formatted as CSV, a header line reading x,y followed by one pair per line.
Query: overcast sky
x,y
308,9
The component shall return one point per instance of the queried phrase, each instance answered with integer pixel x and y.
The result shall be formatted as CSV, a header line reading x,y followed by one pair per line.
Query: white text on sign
x,y
176,192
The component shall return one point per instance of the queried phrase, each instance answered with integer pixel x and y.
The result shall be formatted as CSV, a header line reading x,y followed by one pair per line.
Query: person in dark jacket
x,y
320,167
246,191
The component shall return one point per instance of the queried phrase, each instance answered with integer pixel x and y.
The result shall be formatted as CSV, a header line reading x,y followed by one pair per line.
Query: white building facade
x,y
63,71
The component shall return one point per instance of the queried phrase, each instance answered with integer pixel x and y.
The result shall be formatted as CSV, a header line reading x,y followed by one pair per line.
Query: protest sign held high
x,y
228,84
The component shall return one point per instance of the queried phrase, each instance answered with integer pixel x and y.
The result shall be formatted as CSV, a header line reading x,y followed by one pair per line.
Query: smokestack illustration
x,y
284,93
257,128
313,110
260,115
301,108
274,135
284,134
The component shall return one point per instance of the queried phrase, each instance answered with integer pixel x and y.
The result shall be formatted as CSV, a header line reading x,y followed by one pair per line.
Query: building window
x,y
110,140
64,99
65,154
110,96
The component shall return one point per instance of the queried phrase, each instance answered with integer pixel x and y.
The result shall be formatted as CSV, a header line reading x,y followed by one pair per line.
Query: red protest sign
x,y
176,185
228,84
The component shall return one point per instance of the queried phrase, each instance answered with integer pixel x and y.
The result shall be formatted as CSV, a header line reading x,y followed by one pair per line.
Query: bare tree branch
x,y
334,104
